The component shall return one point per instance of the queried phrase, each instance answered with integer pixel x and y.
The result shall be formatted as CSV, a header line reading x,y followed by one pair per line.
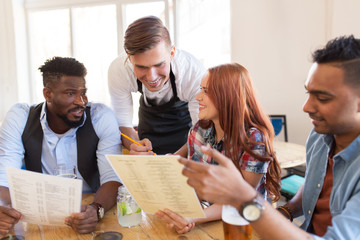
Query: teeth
x,y
153,82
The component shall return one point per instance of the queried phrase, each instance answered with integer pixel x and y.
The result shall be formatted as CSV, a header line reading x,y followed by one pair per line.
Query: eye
x,y
141,67
160,65
203,89
70,93
323,100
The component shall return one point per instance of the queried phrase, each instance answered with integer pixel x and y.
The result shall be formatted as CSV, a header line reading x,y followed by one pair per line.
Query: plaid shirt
x,y
207,137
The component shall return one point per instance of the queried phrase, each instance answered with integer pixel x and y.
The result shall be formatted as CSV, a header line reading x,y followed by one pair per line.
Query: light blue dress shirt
x,y
59,148
345,194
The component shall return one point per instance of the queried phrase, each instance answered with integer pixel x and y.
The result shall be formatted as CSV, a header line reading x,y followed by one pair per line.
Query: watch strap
x,y
99,210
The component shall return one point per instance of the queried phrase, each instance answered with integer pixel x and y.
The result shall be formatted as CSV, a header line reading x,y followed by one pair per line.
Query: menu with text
x,y
156,183
43,199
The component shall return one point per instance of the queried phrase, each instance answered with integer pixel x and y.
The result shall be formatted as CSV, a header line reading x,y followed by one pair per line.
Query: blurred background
x,y
273,39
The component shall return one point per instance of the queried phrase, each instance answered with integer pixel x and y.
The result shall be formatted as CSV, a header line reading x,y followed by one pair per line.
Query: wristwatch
x,y
99,210
252,211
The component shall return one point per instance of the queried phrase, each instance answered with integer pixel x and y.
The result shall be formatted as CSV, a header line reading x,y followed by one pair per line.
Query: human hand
x,y
145,148
85,221
222,184
175,221
8,218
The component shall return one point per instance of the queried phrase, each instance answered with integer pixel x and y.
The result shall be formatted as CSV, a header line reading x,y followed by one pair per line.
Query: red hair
x,y
231,91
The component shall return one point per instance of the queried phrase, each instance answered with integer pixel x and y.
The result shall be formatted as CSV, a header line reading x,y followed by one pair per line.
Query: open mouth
x,y
155,83
77,112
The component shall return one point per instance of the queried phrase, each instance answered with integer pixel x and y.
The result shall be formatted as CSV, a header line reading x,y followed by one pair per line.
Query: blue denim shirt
x,y
345,194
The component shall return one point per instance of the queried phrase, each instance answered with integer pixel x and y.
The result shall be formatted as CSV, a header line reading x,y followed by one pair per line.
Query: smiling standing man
x,y
168,79
65,129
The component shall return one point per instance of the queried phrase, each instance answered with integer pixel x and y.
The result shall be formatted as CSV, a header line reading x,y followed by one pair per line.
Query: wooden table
x,y
289,154
150,228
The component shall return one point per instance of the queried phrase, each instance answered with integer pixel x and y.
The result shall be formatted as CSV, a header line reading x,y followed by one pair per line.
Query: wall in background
x,y
274,41
8,84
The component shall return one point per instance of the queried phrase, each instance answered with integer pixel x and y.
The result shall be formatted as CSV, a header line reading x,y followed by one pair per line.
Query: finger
x,y
170,226
220,158
171,222
84,228
141,153
193,166
179,221
136,148
11,213
176,217
186,229
165,217
159,213
147,143
4,231
5,227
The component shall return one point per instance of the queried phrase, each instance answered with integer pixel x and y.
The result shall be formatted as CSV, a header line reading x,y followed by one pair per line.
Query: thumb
x,y
221,159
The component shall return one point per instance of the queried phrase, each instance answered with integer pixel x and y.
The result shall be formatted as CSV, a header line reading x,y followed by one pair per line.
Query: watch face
x,y
252,212
101,212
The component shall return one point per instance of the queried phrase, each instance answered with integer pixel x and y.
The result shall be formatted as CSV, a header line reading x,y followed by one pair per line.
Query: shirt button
x,y
318,185
309,212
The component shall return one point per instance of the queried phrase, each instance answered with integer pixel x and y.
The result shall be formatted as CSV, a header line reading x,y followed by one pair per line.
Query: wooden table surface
x,y
289,154
150,228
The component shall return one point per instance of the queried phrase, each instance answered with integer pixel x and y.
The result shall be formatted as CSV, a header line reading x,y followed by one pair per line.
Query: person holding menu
x,y
168,80
65,129
330,196
231,121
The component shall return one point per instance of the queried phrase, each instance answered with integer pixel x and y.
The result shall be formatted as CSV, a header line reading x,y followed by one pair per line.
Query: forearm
x,y
295,204
130,132
106,194
182,151
212,213
273,225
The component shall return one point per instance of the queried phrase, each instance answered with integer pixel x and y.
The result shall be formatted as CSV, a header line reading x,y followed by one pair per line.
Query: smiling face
x,y
66,102
152,67
332,105
207,109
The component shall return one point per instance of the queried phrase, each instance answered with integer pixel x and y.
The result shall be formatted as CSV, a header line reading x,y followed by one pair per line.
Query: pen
x,y
129,138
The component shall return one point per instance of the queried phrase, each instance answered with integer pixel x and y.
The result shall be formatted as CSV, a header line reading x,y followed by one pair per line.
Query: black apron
x,y
166,125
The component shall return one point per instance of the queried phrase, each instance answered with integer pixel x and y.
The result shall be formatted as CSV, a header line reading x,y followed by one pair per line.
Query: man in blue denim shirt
x,y
330,196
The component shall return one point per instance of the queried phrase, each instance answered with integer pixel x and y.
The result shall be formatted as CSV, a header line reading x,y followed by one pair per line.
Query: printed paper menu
x,y
43,199
156,183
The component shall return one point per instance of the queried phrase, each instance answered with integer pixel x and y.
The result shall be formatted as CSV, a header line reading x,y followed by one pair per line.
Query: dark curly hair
x,y
342,52
56,67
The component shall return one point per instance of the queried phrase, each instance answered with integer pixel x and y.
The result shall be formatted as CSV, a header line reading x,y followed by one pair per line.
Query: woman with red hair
x,y
231,121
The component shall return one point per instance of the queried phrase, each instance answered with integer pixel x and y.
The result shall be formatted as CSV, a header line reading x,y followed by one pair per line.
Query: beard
x,y
72,124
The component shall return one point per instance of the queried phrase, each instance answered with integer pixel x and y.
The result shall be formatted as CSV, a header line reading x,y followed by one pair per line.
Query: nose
x,y
199,96
308,106
151,74
80,100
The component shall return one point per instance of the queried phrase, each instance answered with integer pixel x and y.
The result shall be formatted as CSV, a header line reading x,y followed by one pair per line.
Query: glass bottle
x,y
235,226
128,211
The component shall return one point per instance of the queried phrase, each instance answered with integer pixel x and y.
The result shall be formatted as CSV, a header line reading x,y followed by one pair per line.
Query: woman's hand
x,y
175,221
